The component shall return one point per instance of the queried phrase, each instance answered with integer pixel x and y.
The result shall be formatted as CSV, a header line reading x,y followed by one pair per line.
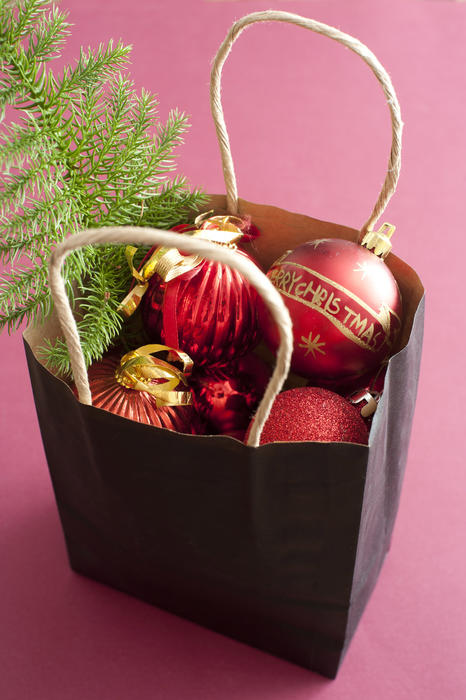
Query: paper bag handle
x,y
211,251
394,163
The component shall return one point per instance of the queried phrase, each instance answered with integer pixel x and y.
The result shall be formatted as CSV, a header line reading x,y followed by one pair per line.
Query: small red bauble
x,y
210,311
345,306
109,395
226,397
313,414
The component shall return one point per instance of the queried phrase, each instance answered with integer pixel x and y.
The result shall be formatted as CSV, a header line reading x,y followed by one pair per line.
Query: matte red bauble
x,y
345,306
109,394
209,311
226,397
313,414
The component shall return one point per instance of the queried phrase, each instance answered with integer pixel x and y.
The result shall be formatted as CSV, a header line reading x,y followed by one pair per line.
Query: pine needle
x,y
86,150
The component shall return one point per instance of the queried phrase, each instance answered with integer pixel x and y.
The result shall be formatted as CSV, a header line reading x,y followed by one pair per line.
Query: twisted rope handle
x,y
394,162
211,251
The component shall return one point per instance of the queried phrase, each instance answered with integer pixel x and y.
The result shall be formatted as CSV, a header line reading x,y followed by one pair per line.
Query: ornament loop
x,y
370,399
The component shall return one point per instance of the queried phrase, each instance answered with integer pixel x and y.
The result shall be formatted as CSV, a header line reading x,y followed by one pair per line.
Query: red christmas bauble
x,y
109,395
345,306
313,414
209,312
227,396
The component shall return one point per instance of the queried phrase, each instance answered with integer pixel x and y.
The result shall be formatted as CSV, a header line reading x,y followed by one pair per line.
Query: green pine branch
x,y
48,35
101,322
86,150
20,143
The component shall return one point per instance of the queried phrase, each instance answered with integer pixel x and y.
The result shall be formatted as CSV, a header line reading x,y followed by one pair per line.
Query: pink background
x,y
310,132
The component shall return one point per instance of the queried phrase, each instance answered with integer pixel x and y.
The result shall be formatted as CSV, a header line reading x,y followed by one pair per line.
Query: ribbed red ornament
x,y
227,396
345,306
110,395
209,312
313,414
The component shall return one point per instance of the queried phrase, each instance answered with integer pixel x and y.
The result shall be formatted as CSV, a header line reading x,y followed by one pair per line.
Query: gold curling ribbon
x,y
141,371
168,263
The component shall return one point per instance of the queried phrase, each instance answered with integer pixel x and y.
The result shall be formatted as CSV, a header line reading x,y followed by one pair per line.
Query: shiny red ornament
x,y
345,306
313,414
209,312
227,396
109,395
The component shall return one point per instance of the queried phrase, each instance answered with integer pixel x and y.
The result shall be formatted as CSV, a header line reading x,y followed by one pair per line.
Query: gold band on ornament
x,y
359,301
338,324
138,369
382,317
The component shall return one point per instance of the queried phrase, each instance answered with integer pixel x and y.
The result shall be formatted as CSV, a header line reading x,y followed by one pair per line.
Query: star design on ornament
x,y
313,345
364,268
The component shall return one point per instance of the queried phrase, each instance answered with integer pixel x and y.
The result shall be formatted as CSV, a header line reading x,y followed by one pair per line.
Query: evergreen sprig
x,y
86,150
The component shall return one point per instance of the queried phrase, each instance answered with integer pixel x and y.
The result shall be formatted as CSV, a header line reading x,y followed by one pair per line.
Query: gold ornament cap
x,y
378,242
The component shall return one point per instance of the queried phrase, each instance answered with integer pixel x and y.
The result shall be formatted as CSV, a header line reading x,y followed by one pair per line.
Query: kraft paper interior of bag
x,y
278,546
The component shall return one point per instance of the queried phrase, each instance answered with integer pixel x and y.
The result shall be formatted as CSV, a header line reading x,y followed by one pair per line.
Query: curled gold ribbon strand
x,y
139,370
169,263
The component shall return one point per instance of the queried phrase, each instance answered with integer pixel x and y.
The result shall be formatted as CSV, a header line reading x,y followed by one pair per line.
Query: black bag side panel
x,y
256,543
389,443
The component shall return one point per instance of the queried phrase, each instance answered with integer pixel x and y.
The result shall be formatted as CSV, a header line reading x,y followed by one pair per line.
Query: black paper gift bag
x,y
278,546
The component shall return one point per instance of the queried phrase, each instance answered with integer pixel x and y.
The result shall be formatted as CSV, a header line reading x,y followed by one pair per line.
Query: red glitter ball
x,y
313,414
